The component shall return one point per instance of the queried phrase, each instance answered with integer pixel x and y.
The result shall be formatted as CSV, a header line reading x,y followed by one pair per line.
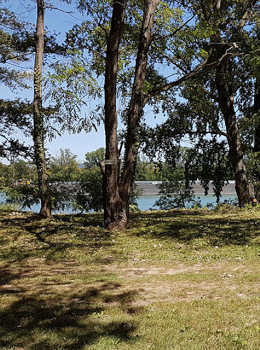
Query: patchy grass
x,y
183,279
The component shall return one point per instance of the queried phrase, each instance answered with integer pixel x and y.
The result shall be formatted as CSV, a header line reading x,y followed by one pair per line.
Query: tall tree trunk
x,y
38,123
257,114
226,102
118,187
111,167
136,105
257,135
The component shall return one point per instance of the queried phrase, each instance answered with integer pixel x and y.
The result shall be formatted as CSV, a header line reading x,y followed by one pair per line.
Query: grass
x,y
183,279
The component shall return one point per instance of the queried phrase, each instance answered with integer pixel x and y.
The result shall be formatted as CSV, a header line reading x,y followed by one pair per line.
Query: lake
x,y
144,202
147,202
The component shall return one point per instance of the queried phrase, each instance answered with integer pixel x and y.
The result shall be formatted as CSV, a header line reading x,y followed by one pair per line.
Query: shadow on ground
x,y
185,226
57,235
85,232
42,321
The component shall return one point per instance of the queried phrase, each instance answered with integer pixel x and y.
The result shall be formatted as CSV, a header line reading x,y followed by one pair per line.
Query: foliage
x,y
9,206
13,113
181,40
68,87
90,196
17,171
64,167
176,192
93,158
19,179
26,195
149,171
210,163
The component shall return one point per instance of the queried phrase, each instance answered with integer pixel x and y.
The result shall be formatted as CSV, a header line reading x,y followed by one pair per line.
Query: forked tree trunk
x,y
110,168
117,186
136,105
226,102
38,123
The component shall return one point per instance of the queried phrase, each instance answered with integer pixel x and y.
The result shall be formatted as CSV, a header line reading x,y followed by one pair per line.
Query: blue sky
x,y
60,22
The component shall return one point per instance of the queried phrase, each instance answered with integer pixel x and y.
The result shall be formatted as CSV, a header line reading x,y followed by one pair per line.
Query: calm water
x,y
144,202
147,202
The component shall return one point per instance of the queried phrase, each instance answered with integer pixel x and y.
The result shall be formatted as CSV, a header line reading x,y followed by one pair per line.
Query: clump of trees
x,y
136,48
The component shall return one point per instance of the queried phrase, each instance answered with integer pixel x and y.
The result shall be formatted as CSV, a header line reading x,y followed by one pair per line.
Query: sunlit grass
x,y
182,279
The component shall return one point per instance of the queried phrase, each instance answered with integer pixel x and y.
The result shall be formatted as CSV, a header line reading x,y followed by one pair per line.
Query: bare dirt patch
x,y
227,282
133,286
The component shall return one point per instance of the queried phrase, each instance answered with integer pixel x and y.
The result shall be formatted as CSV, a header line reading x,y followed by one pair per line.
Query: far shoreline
x,y
151,188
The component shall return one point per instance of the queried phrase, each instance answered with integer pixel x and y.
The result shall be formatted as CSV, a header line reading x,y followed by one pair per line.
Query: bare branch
x,y
176,30
50,7
204,66
201,68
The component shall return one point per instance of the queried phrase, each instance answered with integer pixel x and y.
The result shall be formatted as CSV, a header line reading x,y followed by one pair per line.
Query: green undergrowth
x,y
182,279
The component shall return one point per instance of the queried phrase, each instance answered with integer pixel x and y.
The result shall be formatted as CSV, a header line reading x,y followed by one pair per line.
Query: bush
x,y
90,195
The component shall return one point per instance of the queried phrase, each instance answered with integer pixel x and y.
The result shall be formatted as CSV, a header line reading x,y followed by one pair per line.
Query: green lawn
x,y
183,279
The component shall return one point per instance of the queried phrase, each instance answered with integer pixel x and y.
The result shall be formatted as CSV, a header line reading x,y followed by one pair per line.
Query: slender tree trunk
x,y
111,167
136,107
257,136
226,102
38,123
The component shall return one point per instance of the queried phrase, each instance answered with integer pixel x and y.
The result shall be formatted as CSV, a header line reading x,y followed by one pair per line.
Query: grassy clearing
x,y
173,280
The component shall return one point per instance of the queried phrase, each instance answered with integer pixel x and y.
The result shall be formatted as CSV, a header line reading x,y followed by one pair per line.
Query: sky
x,y
60,22
57,21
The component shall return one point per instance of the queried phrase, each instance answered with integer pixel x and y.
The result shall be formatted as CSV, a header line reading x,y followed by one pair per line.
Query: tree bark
x,y
257,136
110,168
136,105
38,122
226,102
118,186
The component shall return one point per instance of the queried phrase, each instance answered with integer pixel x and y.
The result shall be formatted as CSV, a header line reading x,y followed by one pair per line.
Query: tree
x,y
14,114
93,159
111,51
39,124
63,110
111,167
127,80
226,93
90,195
223,43
38,121
64,167
254,62
117,187
257,135
217,92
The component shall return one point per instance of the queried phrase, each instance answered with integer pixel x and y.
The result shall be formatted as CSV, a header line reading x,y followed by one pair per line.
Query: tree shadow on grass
x,y
58,235
180,225
6,278
67,321
217,231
